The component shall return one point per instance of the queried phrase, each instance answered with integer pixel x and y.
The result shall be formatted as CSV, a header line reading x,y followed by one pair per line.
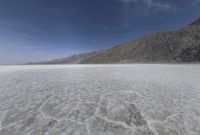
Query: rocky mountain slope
x,y
176,46
182,45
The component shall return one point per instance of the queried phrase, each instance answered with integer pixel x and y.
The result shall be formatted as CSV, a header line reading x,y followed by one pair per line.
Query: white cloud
x,y
151,4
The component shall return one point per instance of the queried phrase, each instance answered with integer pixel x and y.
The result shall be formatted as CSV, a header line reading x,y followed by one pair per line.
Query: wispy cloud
x,y
151,4
195,2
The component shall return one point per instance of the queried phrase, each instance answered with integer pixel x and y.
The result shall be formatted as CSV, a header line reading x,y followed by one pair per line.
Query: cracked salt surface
x,y
136,99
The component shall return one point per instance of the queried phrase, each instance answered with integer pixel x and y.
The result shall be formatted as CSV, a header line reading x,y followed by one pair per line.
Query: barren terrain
x,y
138,99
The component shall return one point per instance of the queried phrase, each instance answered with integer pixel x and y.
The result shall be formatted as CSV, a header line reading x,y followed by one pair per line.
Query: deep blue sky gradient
x,y
34,30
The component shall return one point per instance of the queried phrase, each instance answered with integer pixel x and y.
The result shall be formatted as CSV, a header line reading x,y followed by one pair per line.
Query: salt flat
x,y
138,99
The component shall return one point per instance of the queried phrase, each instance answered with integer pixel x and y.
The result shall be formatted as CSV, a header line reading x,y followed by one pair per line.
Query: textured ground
x,y
100,100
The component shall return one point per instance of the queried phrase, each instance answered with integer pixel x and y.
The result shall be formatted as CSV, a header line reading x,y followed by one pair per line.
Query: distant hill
x,y
73,59
176,46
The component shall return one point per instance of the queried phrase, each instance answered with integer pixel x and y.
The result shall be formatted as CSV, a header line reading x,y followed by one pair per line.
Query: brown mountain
x,y
177,46
182,45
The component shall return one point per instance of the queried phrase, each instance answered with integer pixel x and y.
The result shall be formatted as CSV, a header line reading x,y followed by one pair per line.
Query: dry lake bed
x,y
138,99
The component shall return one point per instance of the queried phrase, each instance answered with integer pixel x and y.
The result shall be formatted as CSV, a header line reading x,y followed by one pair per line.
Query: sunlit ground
x,y
138,99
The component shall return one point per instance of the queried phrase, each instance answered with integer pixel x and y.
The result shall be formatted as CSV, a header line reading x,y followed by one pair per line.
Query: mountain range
x,y
182,45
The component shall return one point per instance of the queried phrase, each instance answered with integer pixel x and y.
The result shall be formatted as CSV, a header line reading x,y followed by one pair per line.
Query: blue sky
x,y
35,30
